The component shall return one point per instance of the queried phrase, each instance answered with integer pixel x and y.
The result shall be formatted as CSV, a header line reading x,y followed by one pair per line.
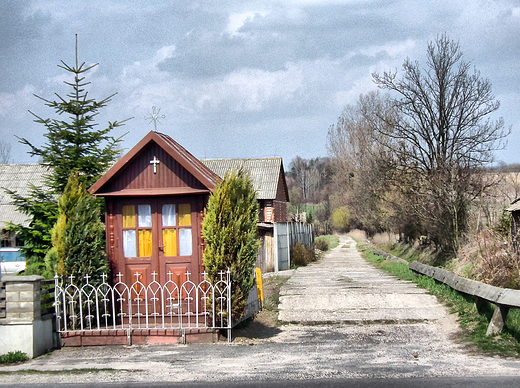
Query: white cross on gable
x,y
155,162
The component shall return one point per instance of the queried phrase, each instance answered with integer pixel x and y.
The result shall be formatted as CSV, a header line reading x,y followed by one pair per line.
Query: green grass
x,y
272,300
332,241
13,358
473,322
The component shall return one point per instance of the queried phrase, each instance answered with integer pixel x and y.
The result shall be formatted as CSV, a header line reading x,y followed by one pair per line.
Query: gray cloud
x,y
236,78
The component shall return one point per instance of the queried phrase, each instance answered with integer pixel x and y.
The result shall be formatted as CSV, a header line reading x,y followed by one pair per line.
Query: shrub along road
x,y
343,319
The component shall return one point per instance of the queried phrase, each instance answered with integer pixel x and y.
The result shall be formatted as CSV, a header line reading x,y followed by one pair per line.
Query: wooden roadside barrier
x,y
503,298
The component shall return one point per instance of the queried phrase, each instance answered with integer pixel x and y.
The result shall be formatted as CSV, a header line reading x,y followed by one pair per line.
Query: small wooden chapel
x,y
155,198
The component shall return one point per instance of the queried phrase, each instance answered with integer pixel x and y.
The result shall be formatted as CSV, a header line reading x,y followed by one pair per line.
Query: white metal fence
x,y
142,306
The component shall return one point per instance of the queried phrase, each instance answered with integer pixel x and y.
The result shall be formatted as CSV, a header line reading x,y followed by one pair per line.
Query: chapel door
x,y
159,240
177,236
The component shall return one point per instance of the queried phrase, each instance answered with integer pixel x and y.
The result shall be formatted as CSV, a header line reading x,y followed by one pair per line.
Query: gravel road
x,y
342,318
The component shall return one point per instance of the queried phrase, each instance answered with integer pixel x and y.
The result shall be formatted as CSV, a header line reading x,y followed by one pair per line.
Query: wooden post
x,y
498,320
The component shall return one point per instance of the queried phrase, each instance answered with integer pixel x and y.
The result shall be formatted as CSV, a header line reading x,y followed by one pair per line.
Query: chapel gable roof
x,y
133,174
267,174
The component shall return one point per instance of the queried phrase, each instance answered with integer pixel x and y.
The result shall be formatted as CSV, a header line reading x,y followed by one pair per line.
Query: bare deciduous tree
x,y
361,166
441,135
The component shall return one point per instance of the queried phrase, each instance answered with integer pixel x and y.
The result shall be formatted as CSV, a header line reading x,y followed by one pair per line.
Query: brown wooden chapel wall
x,y
138,174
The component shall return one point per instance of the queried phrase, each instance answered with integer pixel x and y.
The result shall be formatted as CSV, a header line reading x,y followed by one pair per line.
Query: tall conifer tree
x,y
73,143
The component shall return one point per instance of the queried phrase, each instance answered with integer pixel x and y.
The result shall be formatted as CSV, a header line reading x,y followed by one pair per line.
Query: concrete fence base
x,y
23,328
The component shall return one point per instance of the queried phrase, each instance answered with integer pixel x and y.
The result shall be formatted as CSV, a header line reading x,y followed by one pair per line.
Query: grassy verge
x,y
473,322
13,358
331,241
272,286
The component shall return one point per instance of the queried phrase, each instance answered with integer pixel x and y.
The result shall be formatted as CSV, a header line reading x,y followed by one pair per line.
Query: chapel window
x,y
176,229
137,231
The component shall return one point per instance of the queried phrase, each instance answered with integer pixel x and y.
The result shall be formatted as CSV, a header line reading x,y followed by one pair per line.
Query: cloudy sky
x,y
237,78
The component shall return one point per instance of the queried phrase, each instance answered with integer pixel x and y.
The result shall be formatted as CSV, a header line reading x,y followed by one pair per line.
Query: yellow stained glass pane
x,y
129,217
184,214
170,242
145,243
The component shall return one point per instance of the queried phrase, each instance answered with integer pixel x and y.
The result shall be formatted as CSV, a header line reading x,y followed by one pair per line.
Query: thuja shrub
x,y
231,236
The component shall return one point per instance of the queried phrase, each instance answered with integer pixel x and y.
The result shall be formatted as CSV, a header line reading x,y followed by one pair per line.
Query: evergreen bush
x,y
78,244
231,236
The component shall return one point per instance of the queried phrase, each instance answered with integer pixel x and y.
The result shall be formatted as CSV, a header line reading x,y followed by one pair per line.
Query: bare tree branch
x,y
5,152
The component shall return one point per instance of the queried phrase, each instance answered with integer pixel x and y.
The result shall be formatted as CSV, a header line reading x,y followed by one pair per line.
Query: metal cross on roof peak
x,y
154,117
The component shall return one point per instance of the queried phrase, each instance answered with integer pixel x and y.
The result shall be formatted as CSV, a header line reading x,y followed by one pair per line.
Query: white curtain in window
x,y
168,215
129,243
145,216
185,242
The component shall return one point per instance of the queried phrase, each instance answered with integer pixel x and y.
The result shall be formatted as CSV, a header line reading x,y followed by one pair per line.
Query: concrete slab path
x,y
343,287
344,319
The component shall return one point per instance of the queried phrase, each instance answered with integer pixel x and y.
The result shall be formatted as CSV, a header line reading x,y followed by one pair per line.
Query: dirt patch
x,y
265,324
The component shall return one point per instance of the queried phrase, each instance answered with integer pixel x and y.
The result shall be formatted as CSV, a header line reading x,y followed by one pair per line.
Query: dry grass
x,y
357,234
384,238
489,258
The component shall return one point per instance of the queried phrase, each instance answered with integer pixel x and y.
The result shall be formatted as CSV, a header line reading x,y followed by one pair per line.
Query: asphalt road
x,y
444,382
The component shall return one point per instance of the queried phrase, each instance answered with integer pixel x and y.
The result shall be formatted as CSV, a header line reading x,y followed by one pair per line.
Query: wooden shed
x,y
155,198
268,178
515,213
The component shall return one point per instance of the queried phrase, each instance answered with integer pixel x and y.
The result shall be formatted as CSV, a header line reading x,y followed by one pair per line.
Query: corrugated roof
x,y
515,206
265,173
17,177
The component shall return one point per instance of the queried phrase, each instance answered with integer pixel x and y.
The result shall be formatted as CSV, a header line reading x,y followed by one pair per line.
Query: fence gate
x,y
282,259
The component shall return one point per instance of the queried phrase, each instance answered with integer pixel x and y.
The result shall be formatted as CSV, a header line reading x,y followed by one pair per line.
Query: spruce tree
x,y
73,143
231,236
